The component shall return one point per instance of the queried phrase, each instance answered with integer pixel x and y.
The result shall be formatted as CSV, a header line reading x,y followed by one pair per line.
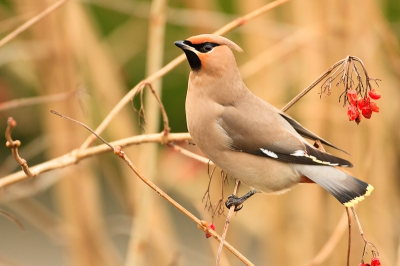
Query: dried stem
x,y
161,105
227,222
242,20
309,88
12,218
13,145
75,156
349,238
36,100
31,22
189,153
121,154
374,250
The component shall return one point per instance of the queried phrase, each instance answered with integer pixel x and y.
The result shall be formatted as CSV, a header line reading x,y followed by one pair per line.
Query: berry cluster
x,y
361,105
374,262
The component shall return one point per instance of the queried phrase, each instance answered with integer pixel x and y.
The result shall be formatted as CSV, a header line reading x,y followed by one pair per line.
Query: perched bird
x,y
248,138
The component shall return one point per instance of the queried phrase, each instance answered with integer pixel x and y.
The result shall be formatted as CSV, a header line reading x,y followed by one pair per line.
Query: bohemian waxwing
x,y
248,138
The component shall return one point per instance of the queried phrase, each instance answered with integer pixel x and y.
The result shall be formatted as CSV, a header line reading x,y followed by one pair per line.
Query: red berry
x,y
375,262
374,107
352,96
212,226
361,102
374,94
352,112
366,112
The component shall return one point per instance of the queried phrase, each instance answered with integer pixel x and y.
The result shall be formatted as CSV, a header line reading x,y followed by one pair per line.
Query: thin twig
x,y
82,124
75,156
309,88
166,129
189,153
36,100
121,154
242,20
31,22
13,145
227,222
12,218
349,240
374,250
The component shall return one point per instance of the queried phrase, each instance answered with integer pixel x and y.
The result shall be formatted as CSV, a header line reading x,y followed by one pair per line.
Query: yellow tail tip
x,y
354,201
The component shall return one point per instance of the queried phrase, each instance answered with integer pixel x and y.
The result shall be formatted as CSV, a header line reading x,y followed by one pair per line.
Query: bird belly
x,y
260,173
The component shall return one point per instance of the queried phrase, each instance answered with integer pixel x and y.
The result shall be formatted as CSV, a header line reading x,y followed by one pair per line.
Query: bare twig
x,y
207,196
227,222
12,218
189,153
31,22
13,145
374,250
242,20
82,124
120,153
75,156
161,105
349,238
36,100
309,88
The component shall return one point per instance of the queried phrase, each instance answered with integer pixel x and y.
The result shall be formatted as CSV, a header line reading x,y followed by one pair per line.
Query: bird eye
x,y
207,47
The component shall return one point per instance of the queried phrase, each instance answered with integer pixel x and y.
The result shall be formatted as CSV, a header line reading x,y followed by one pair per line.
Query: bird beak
x,y
183,46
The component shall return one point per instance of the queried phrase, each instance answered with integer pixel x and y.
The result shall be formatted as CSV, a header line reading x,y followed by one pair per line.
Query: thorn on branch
x,y
13,145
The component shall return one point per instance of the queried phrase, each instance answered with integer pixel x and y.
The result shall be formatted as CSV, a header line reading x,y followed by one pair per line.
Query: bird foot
x,y
234,201
238,202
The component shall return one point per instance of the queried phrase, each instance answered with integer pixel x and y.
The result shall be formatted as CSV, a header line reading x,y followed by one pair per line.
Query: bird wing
x,y
255,127
304,132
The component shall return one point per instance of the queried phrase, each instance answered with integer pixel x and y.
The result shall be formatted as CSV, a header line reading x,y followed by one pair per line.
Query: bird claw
x,y
234,201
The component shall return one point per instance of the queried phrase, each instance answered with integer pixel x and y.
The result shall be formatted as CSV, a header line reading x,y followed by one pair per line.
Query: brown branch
x,y
227,222
374,250
349,238
161,105
77,155
12,218
121,154
118,151
242,20
36,100
189,153
171,65
31,22
309,88
13,145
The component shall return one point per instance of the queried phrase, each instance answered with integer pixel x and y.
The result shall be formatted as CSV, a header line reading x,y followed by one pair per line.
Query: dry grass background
x,y
97,212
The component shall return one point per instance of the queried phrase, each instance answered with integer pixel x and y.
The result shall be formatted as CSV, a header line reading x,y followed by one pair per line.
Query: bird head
x,y
208,52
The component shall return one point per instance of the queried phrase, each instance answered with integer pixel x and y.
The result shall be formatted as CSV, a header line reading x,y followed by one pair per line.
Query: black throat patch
x,y
193,59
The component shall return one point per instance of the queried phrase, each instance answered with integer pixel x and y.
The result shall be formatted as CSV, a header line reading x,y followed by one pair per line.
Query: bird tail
x,y
347,189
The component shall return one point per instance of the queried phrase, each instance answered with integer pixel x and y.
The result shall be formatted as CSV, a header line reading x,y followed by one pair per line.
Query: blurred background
x,y
98,212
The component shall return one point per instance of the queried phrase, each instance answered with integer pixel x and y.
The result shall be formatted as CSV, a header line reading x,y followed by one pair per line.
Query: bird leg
x,y
238,202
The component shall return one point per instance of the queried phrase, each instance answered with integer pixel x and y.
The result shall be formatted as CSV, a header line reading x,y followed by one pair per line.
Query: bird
x,y
250,139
